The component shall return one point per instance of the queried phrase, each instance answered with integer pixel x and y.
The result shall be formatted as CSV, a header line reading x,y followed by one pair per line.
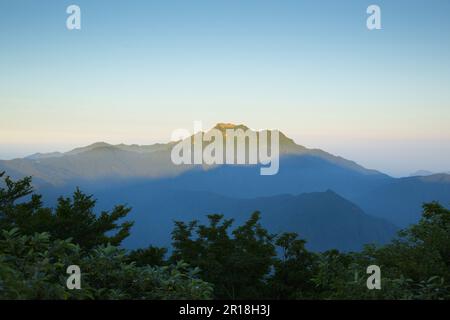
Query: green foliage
x,y
73,217
76,218
420,258
34,267
37,245
295,269
236,262
151,256
414,266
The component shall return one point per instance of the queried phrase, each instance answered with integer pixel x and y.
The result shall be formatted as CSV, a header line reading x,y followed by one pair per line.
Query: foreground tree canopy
x,y
212,260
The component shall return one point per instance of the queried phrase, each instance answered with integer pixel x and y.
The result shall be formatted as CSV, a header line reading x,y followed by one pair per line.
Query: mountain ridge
x,y
325,219
56,167
102,165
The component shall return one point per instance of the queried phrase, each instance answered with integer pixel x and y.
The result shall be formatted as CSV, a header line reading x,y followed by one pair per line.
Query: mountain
x,y
423,173
39,156
101,167
97,161
103,160
325,219
400,200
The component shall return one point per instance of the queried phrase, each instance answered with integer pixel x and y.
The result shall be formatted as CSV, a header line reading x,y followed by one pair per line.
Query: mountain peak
x,y
224,126
89,148
99,145
286,144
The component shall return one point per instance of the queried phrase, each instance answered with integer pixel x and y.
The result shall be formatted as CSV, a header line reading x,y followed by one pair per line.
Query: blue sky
x,y
137,70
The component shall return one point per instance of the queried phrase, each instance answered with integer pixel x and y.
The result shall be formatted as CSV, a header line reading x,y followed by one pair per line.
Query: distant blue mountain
x,y
159,191
400,200
103,161
325,219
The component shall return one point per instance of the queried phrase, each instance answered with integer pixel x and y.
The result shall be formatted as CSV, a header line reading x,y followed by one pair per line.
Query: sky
x,y
138,70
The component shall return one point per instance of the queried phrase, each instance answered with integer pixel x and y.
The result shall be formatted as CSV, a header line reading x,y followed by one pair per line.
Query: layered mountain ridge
x,y
367,204
135,161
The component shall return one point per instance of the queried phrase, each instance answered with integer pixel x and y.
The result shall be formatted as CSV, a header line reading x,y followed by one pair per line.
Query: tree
x,y
37,244
420,257
295,270
73,217
34,267
236,262
151,256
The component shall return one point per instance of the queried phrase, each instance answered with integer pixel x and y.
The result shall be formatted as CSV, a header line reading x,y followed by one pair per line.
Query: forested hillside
x,y
215,259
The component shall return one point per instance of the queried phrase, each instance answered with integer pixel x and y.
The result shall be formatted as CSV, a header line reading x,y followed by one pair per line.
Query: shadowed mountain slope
x,y
102,166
